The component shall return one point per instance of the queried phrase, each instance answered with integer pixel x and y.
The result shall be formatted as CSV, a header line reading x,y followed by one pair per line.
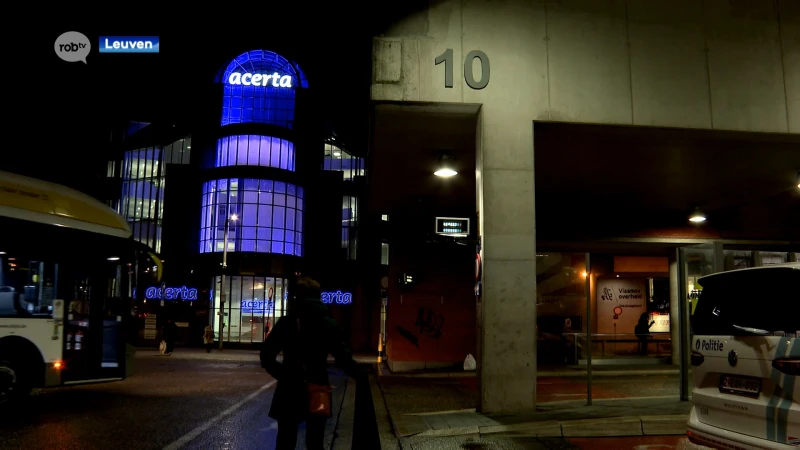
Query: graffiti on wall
x,y
410,337
429,323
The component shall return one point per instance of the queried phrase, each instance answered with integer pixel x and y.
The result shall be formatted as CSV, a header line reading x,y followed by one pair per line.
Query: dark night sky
x,y
70,109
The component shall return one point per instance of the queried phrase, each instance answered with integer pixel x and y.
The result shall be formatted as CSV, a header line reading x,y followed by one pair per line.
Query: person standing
x,y
306,335
642,331
208,338
170,330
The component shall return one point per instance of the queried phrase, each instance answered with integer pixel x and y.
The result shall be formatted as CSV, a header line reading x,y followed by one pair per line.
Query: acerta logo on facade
x,y
129,44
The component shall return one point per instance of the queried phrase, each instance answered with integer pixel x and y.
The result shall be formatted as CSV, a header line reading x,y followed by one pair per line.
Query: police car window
x,y
762,299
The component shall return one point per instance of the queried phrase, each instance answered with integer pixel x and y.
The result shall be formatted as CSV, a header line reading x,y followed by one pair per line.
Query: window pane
x,y
252,158
249,215
264,215
278,217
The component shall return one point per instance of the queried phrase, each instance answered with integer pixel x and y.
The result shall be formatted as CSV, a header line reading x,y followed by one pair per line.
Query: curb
x,y
345,420
665,425
595,374
549,374
387,427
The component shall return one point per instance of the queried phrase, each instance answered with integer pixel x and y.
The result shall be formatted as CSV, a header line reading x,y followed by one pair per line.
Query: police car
x,y
746,359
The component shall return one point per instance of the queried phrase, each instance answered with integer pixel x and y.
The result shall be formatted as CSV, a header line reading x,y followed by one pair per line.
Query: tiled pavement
x,y
412,407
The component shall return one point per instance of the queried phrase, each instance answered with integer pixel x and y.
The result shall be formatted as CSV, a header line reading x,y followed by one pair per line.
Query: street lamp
x,y
222,290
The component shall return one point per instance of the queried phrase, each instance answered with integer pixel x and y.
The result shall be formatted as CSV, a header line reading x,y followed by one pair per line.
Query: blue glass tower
x,y
259,87
252,188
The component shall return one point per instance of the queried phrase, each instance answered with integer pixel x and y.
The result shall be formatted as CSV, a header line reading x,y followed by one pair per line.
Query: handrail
x,y
613,334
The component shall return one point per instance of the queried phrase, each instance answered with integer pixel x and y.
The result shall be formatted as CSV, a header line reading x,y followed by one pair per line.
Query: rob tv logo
x,y
73,46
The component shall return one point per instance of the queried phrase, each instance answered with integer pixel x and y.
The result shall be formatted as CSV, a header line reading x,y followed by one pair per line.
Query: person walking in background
x,y
642,331
306,335
208,338
170,330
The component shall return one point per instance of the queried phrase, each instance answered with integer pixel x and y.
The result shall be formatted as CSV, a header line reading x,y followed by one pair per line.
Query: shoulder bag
x,y
319,395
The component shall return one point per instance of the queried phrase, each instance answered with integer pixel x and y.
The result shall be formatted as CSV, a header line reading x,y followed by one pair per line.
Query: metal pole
x,y
588,332
683,323
222,290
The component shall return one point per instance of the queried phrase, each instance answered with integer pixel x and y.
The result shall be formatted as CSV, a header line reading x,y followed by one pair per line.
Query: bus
x,y
68,269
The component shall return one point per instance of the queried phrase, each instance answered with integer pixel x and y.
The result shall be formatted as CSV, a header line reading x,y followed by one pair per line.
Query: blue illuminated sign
x,y
257,306
181,293
129,44
258,79
338,297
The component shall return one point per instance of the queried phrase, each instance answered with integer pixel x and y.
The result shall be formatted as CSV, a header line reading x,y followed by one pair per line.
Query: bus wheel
x,y
11,386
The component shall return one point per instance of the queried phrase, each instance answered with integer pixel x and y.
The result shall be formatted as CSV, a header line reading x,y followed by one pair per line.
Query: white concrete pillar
x,y
508,333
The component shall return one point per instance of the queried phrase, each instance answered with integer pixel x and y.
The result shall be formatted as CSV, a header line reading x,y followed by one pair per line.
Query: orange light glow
x,y
584,274
58,365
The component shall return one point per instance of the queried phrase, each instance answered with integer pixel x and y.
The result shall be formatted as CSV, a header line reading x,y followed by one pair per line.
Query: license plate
x,y
740,385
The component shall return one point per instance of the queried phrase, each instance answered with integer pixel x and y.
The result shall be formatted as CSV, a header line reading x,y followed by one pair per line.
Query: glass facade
x,y
769,258
253,305
339,160
350,225
255,99
255,150
143,179
269,216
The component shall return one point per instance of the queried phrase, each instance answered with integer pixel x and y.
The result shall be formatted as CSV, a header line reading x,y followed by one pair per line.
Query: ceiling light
x,y
445,169
445,173
697,216
113,258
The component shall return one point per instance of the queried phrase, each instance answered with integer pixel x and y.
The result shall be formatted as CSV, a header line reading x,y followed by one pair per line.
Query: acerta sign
x,y
338,297
170,293
258,79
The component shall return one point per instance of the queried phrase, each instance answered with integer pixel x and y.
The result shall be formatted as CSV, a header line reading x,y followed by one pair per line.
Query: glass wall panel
x,y
738,259
268,216
253,305
349,225
769,258
255,150
143,184
560,323
340,160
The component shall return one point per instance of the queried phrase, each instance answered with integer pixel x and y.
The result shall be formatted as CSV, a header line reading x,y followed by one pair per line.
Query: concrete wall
x,y
712,64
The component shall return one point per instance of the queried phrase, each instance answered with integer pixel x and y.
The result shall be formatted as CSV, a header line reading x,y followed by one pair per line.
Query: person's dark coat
x,y
305,356
642,329
170,330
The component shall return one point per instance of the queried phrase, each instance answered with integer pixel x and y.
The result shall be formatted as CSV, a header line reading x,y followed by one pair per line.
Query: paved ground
x,y
428,412
426,394
187,400
195,400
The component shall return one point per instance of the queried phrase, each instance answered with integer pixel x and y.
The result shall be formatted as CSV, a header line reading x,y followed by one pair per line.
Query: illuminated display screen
x,y
452,225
